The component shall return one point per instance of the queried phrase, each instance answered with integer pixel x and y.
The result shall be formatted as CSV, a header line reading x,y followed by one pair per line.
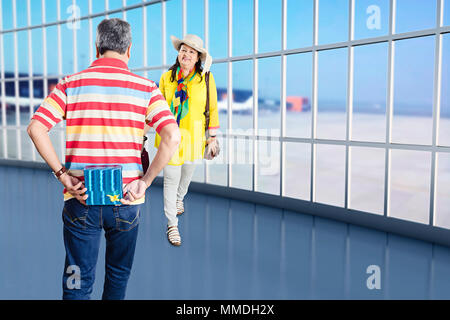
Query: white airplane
x,y
237,107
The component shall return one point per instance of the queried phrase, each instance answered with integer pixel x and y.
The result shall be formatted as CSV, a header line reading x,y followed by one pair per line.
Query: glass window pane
x,y
51,14
332,94
131,2
447,13
55,138
367,179
199,172
22,53
140,73
95,23
24,102
10,91
12,144
67,52
27,145
154,35
98,6
2,92
52,50
116,15
269,26
218,28
369,92
36,12
83,6
442,209
7,17
333,21
242,35
269,83
413,91
330,175
83,45
297,170
70,12
268,167
444,122
51,84
21,13
9,56
195,13
371,18
173,27
2,153
155,75
113,4
218,168
11,101
241,163
37,56
410,185
38,89
299,23
298,95
242,105
150,147
414,15
220,73
134,17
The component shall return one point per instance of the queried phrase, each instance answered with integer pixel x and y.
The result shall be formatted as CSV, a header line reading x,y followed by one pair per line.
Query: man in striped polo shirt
x,y
105,108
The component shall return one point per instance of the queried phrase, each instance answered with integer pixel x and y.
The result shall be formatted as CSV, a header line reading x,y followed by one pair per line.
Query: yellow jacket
x,y
192,126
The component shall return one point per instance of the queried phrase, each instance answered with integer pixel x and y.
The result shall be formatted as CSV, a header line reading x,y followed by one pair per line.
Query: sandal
x,y
173,235
180,207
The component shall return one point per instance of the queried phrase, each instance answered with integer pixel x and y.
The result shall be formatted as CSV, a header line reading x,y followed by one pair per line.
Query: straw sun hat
x,y
196,43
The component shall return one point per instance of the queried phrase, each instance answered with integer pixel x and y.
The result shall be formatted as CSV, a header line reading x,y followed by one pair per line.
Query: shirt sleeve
x,y
213,110
53,108
158,112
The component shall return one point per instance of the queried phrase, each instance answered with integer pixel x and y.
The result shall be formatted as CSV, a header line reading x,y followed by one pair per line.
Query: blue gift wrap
x,y
104,184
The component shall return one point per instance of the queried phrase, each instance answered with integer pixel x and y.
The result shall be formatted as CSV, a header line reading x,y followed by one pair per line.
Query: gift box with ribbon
x,y
104,184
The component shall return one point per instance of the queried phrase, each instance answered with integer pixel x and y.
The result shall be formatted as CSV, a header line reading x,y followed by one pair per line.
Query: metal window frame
x,y
436,109
16,83
390,38
255,111
30,73
3,89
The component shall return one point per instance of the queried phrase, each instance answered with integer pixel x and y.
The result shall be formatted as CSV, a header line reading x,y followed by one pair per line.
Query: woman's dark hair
x,y
198,67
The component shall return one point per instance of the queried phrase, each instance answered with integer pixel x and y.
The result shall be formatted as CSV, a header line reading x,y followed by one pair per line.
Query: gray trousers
x,y
176,184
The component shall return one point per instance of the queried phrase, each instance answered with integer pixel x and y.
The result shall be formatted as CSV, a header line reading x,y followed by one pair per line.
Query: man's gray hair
x,y
113,34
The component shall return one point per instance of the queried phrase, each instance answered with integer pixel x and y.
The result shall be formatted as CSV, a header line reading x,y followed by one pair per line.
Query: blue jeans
x,y
82,230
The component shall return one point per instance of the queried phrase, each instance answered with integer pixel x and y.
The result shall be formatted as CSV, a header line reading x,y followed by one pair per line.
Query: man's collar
x,y
109,62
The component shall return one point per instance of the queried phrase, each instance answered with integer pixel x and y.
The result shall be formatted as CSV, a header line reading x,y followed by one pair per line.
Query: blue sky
x,y
371,20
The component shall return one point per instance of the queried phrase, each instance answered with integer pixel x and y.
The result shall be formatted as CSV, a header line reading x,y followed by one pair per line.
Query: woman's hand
x,y
133,191
212,145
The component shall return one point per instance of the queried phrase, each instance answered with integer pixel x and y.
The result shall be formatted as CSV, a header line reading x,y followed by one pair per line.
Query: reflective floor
x,y
231,250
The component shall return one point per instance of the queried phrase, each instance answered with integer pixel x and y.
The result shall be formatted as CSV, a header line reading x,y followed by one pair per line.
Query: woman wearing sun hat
x,y
184,88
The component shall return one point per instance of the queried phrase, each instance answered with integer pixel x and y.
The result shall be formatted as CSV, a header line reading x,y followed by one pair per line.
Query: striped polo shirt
x,y
105,108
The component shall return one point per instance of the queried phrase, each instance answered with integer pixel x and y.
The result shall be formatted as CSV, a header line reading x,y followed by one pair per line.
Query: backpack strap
x,y
206,113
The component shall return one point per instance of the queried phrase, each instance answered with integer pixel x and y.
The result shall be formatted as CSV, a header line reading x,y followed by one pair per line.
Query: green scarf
x,y
180,100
